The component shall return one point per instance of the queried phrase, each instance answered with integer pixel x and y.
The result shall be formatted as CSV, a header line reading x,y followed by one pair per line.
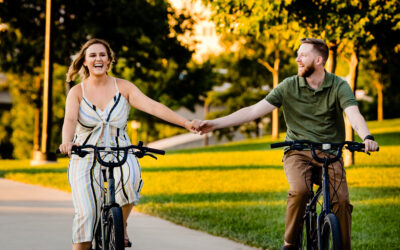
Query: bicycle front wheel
x,y
330,234
98,245
115,229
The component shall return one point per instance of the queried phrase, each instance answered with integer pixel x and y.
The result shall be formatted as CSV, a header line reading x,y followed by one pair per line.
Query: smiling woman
x,y
96,113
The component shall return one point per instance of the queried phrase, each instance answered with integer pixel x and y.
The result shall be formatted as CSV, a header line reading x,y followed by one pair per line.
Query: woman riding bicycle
x,y
96,113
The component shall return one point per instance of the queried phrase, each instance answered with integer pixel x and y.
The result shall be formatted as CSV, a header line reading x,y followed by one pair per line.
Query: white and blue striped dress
x,y
101,128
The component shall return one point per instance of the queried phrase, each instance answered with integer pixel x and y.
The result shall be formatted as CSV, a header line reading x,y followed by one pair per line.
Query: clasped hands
x,y
199,126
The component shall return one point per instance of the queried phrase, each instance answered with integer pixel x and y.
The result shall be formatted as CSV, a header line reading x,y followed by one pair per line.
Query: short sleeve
x,y
275,97
346,96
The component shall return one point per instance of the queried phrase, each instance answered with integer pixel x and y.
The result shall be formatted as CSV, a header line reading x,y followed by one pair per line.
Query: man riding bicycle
x,y
313,102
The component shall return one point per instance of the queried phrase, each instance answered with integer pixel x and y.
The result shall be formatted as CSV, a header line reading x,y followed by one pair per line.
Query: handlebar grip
x,y
156,151
281,144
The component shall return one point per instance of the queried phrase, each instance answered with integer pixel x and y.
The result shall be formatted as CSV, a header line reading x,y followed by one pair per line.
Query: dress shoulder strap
x,y
116,85
83,90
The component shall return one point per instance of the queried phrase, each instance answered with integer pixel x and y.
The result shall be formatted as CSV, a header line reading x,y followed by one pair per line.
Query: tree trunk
x,y
379,88
331,63
275,80
353,66
275,119
45,155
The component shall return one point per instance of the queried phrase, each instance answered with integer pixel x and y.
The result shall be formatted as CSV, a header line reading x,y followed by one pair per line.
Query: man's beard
x,y
307,71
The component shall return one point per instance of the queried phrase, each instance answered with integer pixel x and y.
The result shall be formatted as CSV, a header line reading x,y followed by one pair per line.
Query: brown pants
x,y
301,171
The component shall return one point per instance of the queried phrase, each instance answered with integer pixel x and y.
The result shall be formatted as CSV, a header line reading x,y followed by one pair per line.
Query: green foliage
x,y
59,96
6,147
19,121
143,35
23,92
250,83
185,89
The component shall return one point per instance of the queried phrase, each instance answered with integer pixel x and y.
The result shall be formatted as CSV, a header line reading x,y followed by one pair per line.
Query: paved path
x,y
33,217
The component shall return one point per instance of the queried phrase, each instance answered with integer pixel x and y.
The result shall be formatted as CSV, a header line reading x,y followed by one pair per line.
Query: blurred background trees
x,y
259,40
142,33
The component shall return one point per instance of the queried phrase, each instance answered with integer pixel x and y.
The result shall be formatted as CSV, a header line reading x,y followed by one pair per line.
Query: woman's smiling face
x,y
97,60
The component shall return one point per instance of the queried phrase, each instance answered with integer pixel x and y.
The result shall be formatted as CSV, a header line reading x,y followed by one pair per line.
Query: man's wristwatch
x,y
369,137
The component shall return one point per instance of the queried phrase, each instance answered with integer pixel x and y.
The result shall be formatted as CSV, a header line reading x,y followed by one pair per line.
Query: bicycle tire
x,y
330,234
98,245
115,229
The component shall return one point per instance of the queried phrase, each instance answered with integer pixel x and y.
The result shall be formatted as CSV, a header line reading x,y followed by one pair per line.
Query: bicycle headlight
x,y
326,146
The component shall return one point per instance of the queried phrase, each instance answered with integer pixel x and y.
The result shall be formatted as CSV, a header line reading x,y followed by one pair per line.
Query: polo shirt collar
x,y
327,83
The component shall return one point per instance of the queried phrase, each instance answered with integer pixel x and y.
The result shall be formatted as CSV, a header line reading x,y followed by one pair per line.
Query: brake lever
x,y
153,156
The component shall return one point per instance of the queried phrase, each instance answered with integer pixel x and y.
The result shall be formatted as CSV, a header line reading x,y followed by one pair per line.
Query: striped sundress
x,y
101,128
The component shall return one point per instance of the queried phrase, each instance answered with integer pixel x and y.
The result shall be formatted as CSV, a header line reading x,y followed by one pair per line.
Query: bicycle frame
x,y
108,198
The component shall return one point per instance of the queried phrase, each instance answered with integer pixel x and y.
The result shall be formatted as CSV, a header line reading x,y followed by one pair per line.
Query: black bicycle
x,y
321,230
109,234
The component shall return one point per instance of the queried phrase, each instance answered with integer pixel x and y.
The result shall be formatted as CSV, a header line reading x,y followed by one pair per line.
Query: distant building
x,y
5,97
205,40
5,100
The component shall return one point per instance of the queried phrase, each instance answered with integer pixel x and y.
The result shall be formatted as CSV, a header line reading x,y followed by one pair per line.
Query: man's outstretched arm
x,y
241,116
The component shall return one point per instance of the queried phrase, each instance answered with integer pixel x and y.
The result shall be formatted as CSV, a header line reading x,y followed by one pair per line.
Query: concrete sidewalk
x,y
33,217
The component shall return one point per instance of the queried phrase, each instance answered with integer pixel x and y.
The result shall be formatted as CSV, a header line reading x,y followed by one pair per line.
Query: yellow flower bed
x,y
220,159
387,155
221,181
252,171
373,177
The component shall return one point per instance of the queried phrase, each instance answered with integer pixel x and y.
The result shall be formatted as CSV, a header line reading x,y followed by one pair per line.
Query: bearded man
x,y
313,103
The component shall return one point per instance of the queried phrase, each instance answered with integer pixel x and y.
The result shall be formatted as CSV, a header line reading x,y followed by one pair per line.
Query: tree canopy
x,y
143,34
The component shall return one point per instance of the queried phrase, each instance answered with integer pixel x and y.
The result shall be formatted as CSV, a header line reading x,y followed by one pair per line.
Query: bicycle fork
x,y
109,200
326,203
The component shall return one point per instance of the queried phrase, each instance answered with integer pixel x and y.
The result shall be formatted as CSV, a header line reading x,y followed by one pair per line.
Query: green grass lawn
x,y
238,190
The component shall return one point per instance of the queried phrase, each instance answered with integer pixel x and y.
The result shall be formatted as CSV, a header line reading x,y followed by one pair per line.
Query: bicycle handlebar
x,y
303,144
140,152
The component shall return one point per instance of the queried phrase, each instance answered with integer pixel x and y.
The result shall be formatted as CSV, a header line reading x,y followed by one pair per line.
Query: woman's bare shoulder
x,y
76,91
124,86
123,82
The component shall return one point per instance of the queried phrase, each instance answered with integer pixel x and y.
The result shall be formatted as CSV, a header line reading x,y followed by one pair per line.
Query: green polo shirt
x,y
315,115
